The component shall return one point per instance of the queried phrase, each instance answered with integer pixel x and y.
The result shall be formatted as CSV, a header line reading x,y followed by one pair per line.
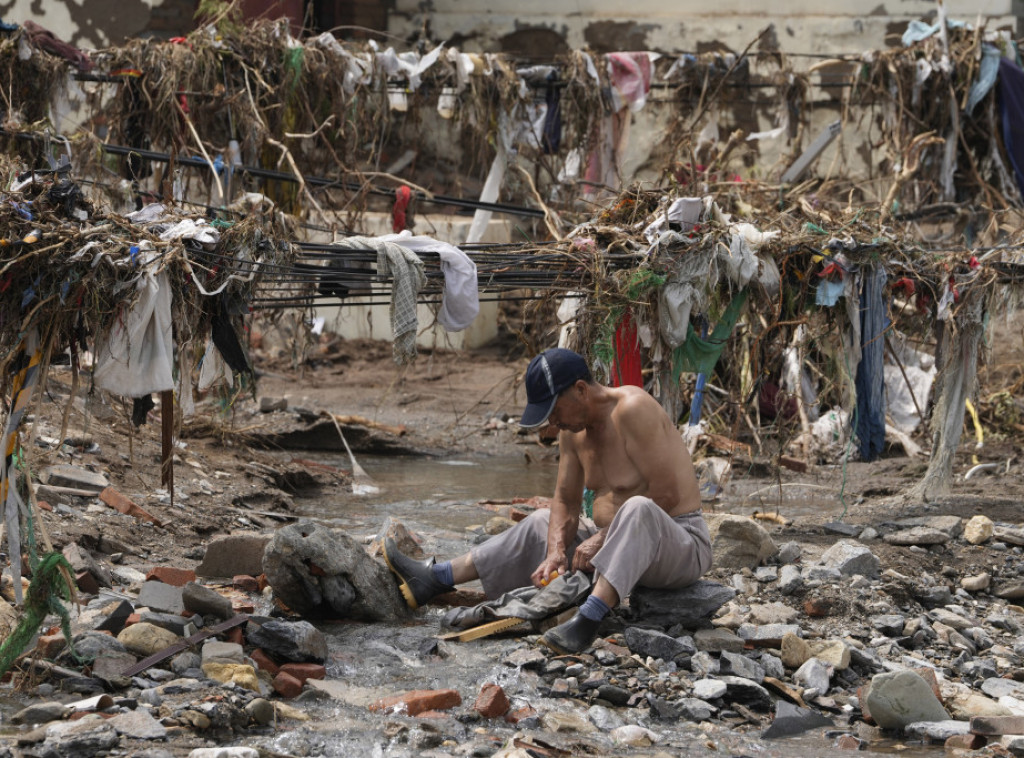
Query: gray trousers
x,y
643,546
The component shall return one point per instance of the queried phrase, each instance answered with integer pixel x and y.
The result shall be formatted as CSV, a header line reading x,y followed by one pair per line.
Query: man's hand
x,y
581,560
548,570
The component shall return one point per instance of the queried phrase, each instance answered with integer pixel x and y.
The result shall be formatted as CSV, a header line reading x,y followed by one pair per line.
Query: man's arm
x,y
565,510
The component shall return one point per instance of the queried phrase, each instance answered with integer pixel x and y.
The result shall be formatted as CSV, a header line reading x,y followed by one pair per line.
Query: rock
x,y
841,527
998,687
139,725
648,642
790,579
604,719
889,624
41,713
297,641
746,692
115,618
791,720
81,560
271,404
936,731
186,661
738,542
735,664
718,639
773,613
90,645
951,525
1010,590
977,582
1008,534
73,477
146,639
260,710
789,552
172,622
695,709
1014,743
84,738
850,559
996,725
688,607
234,554
632,735
704,664
709,689
555,721
978,530
498,524
902,697
814,676
224,752
834,653
108,667
320,572
934,596
241,674
205,601
766,635
158,596
918,535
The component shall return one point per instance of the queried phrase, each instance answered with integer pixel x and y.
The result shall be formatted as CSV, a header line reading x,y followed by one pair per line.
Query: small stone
x,y
215,651
200,599
138,724
260,710
978,529
41,713
977,582
708,689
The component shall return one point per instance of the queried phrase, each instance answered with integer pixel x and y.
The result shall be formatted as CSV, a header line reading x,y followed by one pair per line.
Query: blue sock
x,y
594,608
443,573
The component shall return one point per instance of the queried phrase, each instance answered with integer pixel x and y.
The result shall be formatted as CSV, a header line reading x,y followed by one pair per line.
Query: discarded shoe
x,y
415,578
574,636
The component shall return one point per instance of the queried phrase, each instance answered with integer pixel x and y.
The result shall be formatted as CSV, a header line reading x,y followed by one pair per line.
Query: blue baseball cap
x,y
547,376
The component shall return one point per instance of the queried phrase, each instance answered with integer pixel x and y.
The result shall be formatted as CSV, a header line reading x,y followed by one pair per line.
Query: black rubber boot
x,y
574,636
415,578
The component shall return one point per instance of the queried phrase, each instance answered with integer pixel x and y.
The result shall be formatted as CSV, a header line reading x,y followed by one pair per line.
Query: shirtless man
x,y
647,530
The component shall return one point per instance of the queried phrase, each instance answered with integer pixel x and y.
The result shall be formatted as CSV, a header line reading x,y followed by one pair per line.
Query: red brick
x,y
246,583
235,635
125,505
176,577
849,742
243,607
817,607
514,717
265,662
304,671
50,645
87,583
517,514
492,701
965,742
44,505
287,685
133,618
418,701
433,715
929,676
262,581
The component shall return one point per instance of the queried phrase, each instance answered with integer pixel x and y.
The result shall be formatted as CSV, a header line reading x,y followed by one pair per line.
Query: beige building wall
x,y
545,27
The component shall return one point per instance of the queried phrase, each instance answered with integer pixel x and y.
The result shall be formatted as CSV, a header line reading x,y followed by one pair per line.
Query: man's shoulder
x,y
635,401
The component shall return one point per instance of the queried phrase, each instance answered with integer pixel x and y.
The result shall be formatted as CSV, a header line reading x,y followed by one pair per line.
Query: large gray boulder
x,y
898,698
323,573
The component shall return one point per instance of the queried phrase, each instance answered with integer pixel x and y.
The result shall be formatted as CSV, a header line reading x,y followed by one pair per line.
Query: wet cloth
x,y
1011,106
870,379
643,546
461,302
528,603
699,355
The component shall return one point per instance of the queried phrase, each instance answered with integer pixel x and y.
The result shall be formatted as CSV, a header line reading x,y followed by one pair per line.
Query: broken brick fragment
x,y
304,671
176,577
265,662
418,701
287,685
246,583
492,701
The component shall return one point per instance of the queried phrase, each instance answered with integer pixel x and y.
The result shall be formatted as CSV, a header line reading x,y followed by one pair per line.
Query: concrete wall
x,y
101,23
544,27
